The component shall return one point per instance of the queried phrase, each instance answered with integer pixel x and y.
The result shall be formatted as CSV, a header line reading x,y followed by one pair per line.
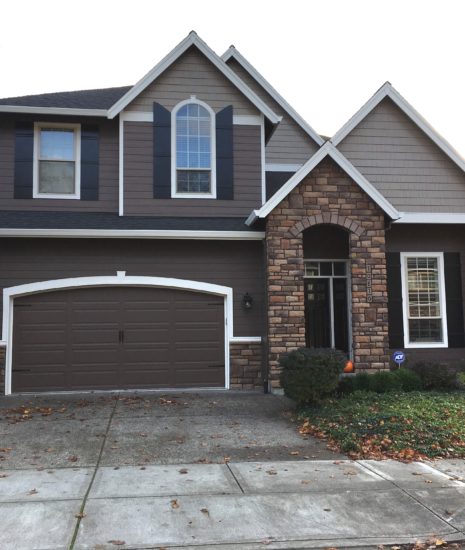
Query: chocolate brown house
x,y
187,231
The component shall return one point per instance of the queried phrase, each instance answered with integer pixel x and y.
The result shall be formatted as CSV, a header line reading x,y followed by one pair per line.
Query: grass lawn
x,y
404,426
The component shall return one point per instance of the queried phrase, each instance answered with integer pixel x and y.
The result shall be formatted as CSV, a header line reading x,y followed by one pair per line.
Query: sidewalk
x,y
246,505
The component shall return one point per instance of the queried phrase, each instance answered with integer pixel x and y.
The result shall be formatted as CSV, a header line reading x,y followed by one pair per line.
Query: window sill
x,y
55,196
425,345
193,196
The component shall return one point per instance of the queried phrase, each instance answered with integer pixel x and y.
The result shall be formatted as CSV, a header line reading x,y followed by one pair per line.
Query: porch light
x,y
247,301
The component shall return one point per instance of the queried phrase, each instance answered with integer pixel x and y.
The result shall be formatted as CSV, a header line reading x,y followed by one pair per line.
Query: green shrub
x,y
435,376
309,375
409,380
384,381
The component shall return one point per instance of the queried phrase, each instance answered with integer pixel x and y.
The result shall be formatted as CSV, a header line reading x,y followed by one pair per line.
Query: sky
x,y
326,57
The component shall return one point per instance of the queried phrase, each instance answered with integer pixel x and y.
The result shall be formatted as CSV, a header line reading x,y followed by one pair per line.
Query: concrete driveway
x,y
203,470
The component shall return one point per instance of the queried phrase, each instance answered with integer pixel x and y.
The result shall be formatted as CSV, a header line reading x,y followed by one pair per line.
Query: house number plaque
x,y
369,284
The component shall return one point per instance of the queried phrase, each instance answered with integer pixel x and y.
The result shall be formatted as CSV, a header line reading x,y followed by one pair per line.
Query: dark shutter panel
x,y
89,162
454,299
24,153
394,287
224,154
161,152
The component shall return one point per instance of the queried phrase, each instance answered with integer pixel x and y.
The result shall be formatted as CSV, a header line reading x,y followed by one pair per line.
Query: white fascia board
x,y
431,217
346,165
52,111
135,234
232,52
387,90
192,40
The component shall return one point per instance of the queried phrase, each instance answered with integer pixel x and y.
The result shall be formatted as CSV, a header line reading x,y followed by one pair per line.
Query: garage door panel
x,y
118,338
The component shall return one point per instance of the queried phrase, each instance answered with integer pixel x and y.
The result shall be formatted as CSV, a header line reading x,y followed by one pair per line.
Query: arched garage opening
x,y
115,333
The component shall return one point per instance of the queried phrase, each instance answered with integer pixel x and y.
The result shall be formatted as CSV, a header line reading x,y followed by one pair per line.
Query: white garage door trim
x,y
12,292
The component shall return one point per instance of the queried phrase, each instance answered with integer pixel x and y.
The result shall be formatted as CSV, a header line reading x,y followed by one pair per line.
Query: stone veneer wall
x,y
246,365
327,196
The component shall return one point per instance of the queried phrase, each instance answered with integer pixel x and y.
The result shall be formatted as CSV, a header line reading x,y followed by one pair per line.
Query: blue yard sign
x,y
398,357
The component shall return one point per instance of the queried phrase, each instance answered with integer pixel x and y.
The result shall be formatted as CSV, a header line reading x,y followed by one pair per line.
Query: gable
x,y
289,144
192,74
403,163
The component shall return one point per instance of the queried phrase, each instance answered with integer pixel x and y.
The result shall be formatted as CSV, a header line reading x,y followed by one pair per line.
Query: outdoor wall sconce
x,y
247,301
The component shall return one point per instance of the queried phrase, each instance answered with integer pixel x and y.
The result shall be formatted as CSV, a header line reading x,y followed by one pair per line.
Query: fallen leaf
x,y
305,481
3,475
80,515
294,453
117,542
32,492
327,509
73,458
428,481
272,472
174,503
440,542
183,471
205,511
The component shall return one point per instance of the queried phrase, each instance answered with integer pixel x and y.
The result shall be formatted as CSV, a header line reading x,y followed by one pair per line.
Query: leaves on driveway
x,y
174,504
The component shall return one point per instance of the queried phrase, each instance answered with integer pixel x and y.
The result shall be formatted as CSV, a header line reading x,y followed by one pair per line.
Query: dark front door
x,y
318,313
118,338
326,315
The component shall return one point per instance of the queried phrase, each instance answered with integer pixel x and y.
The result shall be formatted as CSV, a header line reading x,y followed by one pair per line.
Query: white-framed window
x,y
57,159
193,146
424,300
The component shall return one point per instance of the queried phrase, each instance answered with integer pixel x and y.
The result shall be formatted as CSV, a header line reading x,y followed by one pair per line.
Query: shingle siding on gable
x,y
403,163
108,172
289,143
192,74
138,177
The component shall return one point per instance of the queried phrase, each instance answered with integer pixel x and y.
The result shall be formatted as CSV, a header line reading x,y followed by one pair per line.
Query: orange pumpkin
x,y
349,367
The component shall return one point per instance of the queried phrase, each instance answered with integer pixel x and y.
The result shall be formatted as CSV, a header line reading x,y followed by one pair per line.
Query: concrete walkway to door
x,y
202,470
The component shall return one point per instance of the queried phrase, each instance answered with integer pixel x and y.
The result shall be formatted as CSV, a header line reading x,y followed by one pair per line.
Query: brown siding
x,y
430,238
403,163
138,177
192,74
234,264
289,143
108,171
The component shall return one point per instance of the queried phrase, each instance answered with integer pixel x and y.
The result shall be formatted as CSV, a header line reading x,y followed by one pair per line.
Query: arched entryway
x,y
327,287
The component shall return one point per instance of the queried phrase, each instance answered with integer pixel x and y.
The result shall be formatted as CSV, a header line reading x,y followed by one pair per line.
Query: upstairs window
x,y
424,300
193,169
56,172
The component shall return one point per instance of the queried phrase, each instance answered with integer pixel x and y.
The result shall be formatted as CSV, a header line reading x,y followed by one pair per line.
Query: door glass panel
x,y
339,268
317,313
326,268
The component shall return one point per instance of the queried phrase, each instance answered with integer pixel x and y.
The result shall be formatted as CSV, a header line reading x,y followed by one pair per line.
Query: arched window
x,y
194,146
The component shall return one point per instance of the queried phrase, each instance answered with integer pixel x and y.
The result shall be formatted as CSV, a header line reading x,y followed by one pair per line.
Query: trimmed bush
x,y
409,380
384,381
435,376
309,375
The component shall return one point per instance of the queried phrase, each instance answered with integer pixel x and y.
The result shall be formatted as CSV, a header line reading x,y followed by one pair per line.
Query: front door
x,y
326,305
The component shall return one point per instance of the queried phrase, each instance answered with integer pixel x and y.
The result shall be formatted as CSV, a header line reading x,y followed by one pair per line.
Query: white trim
x,y
431,217
270,167
327,149
192,40
121,168
245,339
442,298
38,126
174,169
9,294
52,111
136,116
146,116
262,159
247,120
387,90
232,52
2,343
136,234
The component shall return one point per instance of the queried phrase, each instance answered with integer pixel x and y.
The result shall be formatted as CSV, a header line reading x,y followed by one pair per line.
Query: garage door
x,y
117,338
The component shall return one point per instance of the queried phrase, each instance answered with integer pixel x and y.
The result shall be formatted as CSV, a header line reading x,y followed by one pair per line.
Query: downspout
x,y
265,342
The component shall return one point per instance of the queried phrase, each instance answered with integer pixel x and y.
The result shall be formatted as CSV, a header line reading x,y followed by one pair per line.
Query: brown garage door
x,y
117,338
